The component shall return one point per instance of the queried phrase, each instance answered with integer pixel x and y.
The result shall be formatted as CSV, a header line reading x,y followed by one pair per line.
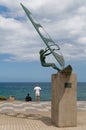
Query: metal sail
x,y
48,41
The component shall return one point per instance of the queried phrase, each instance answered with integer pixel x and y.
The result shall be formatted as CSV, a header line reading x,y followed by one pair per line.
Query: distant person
x,y
28,98
37,91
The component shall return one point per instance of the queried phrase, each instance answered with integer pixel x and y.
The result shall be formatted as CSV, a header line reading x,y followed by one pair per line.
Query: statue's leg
x,y
47,64
55,67
51,65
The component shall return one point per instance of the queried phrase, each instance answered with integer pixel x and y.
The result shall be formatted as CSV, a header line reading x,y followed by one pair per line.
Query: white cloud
x,y
64,20
17,40
82,40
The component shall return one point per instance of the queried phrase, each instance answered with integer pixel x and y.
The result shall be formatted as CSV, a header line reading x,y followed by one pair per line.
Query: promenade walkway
x,y
19,115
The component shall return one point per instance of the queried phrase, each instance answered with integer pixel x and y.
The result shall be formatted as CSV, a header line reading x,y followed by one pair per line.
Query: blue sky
x,y
64,20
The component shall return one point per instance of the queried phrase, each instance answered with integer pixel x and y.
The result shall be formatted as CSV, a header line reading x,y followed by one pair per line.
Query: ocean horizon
x,y
20,89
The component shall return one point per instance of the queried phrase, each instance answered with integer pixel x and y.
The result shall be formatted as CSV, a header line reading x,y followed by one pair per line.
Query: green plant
x,y
2,98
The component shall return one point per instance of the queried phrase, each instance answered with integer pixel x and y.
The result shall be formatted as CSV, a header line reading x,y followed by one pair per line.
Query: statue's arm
x,y
48,53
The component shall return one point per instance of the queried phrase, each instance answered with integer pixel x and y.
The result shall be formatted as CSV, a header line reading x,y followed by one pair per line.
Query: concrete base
x,y
64,102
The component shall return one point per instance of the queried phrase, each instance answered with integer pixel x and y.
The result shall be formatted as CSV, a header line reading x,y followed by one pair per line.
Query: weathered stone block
x,y
64,100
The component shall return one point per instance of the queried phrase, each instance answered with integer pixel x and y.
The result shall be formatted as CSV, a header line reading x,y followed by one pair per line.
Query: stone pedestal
x,y
64,100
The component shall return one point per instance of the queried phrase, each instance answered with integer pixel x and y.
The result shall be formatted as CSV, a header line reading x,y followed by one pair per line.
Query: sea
x,y
20,89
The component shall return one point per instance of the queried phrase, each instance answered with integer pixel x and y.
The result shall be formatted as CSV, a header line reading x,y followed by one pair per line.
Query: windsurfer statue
x,y
49,43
